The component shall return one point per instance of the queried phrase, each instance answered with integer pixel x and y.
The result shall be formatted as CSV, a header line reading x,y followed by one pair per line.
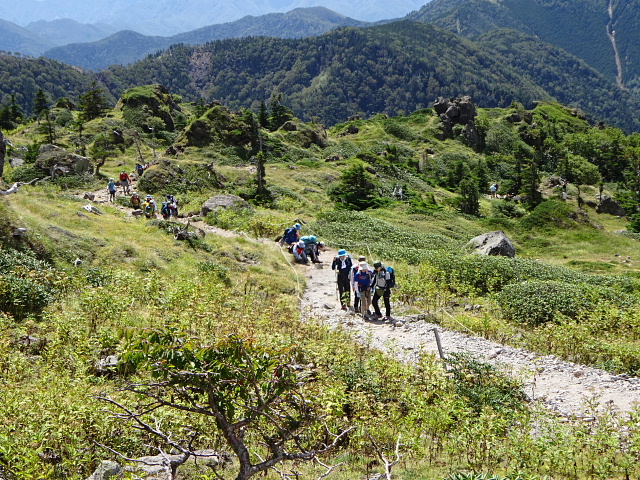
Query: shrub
x,y
536,303
504,209
548,214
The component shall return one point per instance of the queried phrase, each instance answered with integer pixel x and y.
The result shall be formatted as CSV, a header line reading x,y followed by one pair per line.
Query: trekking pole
x,y
337,290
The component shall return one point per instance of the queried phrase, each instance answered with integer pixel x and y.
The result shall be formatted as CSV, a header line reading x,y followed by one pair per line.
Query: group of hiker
x,y
305,249
149,207
369,285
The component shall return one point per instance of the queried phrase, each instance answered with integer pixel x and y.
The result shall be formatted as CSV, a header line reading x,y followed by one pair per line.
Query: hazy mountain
x,y
126,47
16,39
604,34
65,31
167,17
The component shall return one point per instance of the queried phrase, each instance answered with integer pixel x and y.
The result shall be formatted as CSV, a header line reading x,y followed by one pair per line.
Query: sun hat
x,y
297,226
364,266
362,258
377,264
342,252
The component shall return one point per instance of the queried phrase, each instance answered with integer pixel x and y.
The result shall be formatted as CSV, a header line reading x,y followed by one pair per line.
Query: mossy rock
x,y
168,177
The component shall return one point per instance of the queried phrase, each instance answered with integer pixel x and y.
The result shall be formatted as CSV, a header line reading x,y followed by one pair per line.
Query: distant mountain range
x,y
605,34
126,47
168,17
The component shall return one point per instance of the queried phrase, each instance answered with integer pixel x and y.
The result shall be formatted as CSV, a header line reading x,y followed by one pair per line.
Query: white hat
x,y
364,266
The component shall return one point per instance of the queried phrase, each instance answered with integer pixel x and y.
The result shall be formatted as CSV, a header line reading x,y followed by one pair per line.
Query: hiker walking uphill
x,y
364,281
354,286
125,181
149,207
382,285
111,188
342,265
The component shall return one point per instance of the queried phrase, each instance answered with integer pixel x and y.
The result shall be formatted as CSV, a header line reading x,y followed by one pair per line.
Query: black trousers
x,y
387,303
344,289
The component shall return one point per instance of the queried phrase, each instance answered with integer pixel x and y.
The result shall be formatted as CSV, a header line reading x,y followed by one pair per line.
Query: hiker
x,y
125,181
135,201
111,188
354,287
291,235
312,248
364,280
170,207
149,207
493,189
382,288
299,254
342,265
139,170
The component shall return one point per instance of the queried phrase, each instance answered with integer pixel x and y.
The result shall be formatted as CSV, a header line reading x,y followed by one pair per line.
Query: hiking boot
x,y
378,316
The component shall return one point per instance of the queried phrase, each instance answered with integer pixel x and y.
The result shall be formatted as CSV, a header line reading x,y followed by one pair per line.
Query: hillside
x,y
127,47
600,33
164,18
391,68
102,309
16,39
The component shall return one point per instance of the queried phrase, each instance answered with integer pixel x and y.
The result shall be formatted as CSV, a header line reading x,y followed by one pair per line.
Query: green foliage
x,y
356,190
550,214
27,285
536,303
93,103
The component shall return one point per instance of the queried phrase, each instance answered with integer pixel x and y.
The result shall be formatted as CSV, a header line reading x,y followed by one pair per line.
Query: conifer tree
x,y
40,103
93,103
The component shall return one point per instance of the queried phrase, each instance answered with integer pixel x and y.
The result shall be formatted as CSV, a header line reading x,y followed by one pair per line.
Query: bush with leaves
x,y
356,190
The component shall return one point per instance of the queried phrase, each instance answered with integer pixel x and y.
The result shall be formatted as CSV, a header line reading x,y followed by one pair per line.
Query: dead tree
x,y
14,188
254,396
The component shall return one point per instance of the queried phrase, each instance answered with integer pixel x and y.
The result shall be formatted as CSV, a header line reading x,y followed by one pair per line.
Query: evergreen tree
x,y
40,103
481,175
263,115
15,111
93,103
356,190
470,201
279,113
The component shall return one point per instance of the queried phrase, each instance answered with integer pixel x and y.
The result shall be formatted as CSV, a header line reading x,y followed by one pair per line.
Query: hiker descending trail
x,y
561,386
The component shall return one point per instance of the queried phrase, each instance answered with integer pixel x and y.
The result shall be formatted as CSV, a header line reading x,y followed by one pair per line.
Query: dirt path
x,y
563,387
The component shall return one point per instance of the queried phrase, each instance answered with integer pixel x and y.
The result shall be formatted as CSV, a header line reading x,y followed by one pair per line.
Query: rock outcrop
x,y
60,162
610,206
457,111
221,202
492,243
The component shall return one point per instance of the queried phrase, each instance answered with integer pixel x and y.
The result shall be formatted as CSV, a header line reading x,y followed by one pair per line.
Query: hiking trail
x,y
563,387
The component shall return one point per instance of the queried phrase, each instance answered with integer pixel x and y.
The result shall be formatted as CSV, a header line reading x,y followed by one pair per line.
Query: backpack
x,y
135,200
363,279
166,212
290,235
123,176
392,277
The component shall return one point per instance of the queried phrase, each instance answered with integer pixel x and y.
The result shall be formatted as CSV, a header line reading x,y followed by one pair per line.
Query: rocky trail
x,y
563,387
566,388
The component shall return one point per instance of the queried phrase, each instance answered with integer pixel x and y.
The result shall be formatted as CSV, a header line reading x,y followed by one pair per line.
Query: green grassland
x,y
134,278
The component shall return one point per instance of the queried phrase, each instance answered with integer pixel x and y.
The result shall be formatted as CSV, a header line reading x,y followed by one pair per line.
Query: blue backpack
x,y
392,277
290,235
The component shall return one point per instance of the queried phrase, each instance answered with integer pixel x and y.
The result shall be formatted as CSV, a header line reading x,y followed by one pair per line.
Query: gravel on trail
x,y
566,388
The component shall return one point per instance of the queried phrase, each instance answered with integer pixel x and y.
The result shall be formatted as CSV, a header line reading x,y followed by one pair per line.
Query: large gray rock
x,y
492,243
222,201
610,206
59,161
107,470
457,111
157,467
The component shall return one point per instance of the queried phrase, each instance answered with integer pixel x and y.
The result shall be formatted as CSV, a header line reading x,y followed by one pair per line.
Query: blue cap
x,y
342,252
297,226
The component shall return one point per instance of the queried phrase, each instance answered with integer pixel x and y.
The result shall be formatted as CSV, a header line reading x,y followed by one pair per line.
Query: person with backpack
x,y
342,265
170,207
354,287
382,285
364,281
125,181
139,170
299,253
149,207
312,247
111,188
135,201
291,236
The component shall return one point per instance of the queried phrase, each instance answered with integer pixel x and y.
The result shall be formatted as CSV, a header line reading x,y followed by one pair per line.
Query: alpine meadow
x,y
155,324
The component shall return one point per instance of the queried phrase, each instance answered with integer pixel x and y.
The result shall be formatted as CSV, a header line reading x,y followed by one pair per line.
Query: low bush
x,y
538,302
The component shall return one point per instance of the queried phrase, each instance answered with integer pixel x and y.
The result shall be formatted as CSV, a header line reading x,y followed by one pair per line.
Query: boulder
x,y
107,470
610,206
222,201
107,366
492,243
156,467
59,162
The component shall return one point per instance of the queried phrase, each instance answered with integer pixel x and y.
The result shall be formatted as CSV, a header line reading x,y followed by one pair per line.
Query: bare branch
x,y
388,465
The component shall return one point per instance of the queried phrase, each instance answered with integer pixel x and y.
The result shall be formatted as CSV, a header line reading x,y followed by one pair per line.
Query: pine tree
x,y
40,103
470,201
93,103
263,115
279,113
